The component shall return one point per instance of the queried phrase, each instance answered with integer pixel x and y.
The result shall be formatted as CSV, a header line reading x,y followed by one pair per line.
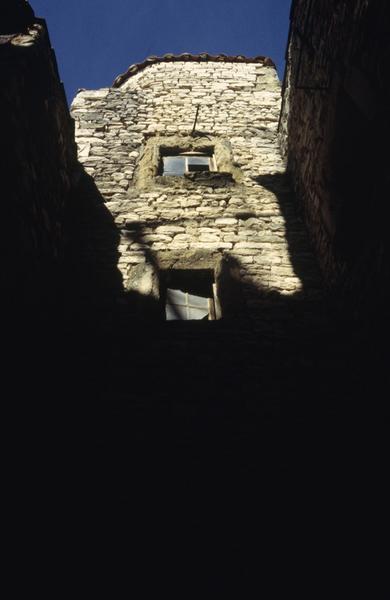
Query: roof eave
x,y
187,57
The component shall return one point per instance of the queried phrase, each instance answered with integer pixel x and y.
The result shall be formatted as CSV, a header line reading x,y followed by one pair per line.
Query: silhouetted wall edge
x,y
333,123
36,172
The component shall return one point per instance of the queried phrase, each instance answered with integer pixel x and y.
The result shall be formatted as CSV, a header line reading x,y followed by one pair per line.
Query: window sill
x,y
209,178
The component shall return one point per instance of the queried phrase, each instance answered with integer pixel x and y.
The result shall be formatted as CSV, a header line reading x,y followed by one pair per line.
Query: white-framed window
x,y
190,295
187,162
182,306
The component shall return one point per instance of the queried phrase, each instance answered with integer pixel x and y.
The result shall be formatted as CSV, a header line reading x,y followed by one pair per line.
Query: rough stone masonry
x,y
242,214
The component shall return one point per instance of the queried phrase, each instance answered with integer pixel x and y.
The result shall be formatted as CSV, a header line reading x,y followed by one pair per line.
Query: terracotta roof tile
x,y
186,56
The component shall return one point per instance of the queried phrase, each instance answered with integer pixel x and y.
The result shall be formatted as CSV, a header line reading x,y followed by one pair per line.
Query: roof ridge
x,y
188,56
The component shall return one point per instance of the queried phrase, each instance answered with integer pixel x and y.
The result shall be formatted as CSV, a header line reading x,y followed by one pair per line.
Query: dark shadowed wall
x,y
38,157
334,129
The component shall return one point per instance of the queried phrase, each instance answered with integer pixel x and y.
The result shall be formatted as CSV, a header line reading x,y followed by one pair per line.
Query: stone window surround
x,y
148,280
147,173
192,283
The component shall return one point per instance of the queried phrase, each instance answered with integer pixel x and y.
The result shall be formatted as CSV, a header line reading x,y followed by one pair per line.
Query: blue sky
x,y
96,40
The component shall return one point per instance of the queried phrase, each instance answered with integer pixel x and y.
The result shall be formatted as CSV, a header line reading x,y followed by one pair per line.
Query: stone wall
x,y
244,216
39,155
333,124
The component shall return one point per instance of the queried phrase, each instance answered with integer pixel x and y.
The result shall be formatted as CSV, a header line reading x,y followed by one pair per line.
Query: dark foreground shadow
x,y
211,435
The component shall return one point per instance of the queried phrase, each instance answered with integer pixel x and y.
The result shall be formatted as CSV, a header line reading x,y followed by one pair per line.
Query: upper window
x,y
187,162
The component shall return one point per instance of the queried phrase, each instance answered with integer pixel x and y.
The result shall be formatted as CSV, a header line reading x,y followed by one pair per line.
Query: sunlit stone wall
x,y
246,214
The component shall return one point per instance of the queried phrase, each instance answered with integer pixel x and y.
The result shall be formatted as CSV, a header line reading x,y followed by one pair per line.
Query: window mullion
x,y
183,163
187,306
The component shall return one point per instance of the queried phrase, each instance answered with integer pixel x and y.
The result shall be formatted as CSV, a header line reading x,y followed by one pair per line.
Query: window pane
x,y
197,301
198,313
174,165
200,168
198,160
176,306
176,313
183,306
176,297
199,163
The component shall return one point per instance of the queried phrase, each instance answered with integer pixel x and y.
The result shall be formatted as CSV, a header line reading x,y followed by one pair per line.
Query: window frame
x,y
186,305
212,164
188,283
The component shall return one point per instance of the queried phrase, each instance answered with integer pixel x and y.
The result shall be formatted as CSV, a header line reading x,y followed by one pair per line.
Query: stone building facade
x,y
144,426
236,220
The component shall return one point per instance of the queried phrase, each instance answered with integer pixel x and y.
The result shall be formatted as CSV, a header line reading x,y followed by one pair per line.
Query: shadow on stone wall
x,y
93,281
299,249
343,366
293,358
137,411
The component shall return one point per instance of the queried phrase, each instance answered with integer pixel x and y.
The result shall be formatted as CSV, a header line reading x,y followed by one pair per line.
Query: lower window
x,y
190,295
